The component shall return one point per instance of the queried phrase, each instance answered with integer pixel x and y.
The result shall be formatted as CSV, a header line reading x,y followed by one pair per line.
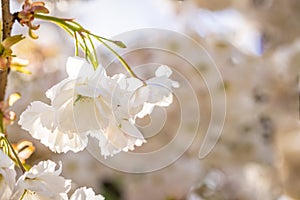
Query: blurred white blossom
x,y
229,25
85,194
7,176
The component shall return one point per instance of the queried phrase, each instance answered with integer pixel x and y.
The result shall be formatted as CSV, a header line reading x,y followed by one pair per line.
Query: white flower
x,y
64,124
156,92
42,181
80,105
120,133
118,136
90,103
7,176
132,98
85,194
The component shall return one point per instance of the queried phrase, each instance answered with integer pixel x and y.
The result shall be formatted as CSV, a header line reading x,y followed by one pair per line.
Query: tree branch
x,y
7,22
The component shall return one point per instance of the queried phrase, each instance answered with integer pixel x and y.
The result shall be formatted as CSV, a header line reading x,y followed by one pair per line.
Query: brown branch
x,y
7,22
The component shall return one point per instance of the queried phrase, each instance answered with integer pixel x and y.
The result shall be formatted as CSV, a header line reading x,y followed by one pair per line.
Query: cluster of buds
x,y
26,15
9,116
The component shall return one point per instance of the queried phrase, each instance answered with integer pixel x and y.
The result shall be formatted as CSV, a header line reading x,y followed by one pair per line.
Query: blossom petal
x,y
85,194
163,70
116,138
78,67
64,85
36,118
41,120
122,136
7,176
44,181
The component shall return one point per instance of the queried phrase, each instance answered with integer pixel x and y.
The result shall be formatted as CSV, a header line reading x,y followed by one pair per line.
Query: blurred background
x,y
253,45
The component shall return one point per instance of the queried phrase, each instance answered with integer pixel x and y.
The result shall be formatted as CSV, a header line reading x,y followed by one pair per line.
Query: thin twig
x,y
15,155
7,22
298,80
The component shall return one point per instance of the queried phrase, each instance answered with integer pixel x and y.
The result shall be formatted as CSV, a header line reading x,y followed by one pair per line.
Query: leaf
x,y
40,9
6,53
10,41
120,44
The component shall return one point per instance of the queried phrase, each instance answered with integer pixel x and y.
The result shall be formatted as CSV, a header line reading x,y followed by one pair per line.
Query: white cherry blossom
x,y
64,124
80,105
44,182
7,176
90,103
156,92
85,194
133,98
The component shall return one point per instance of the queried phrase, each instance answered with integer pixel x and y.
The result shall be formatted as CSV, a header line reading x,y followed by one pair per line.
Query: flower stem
x,y
15,154
23,195
73,28
60,21
1,122
124,63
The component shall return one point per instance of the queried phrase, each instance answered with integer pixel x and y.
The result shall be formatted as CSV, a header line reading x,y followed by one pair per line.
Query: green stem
x,y
1,122
23,195
124,63
94,50
15,154
69,24
77,28
76,44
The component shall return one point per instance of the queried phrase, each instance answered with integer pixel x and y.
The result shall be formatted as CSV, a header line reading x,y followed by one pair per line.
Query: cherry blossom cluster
x,y
86,105
91,104
42,181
